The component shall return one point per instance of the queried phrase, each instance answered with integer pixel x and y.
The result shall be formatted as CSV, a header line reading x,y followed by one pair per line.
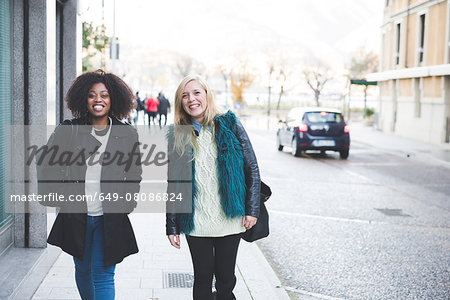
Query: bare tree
x,y
226,75
200,69
283,73
271,70
184,66
316,77
278,71
363,63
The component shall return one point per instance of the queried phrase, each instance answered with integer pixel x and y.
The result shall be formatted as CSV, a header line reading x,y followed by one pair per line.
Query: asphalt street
x,y
374,226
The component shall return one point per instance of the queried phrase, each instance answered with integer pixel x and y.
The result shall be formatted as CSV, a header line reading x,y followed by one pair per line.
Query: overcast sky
x,y
217,31
205,28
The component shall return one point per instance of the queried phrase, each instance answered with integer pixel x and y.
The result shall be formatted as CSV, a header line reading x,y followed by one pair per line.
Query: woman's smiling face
x,y
98,101
194,100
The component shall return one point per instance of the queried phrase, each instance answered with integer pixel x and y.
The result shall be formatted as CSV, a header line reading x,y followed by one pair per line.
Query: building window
x,y
420,49
5,104
397,44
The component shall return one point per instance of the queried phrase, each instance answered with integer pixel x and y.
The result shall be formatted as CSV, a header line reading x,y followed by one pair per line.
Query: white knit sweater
x,y
209,217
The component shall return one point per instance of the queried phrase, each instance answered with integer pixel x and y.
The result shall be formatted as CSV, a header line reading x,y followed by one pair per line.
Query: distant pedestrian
x,y
152,109
163,107
225,188
95,231
139,107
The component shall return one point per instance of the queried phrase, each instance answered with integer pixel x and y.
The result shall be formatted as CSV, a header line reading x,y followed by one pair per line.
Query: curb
x,y
259,277
34,278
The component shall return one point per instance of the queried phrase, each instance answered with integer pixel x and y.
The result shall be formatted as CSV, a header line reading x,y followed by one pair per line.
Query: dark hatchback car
x,y
314,129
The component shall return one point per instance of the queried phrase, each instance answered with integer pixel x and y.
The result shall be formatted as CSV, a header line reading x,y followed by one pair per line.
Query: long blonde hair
x,y
182,136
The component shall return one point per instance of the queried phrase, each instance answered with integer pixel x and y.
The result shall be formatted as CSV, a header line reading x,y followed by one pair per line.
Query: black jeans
x,y
165,119
151,116
214,255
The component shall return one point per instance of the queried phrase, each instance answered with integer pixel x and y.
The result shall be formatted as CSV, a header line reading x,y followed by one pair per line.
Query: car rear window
x,y
324,117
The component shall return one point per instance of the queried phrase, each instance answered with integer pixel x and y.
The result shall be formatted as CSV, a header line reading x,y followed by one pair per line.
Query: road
x,y
375,226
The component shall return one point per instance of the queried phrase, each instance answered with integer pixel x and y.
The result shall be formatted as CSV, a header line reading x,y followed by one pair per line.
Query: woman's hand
x,y
249,221
175,240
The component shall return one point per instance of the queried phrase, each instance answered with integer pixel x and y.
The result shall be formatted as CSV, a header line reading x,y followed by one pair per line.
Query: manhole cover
x,y
181,280
392,212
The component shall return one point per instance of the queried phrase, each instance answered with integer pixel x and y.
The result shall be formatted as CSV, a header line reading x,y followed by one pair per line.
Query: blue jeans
x,y
94,280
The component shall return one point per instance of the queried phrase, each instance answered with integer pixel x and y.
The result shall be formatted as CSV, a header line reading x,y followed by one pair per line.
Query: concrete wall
x,y
432,87
408,123
388,105
30,102
18,93
445,136
389,48
405,87
417,108
29,107
419,127
30,88
411,40
435,34
37,101
67,60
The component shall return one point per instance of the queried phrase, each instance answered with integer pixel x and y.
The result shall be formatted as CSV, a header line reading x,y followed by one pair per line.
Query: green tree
x,y
95,41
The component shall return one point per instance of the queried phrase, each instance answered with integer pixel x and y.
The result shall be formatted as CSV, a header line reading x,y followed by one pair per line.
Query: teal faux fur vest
x,y
230,171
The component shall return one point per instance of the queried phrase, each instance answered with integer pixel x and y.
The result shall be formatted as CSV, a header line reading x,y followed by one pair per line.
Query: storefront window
x,y
5,104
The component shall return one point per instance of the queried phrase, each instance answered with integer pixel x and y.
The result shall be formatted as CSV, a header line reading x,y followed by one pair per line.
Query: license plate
x,y
324,143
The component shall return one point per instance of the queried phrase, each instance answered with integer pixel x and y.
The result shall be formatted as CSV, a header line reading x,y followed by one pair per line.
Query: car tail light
x,y
323,113
346,129
302,128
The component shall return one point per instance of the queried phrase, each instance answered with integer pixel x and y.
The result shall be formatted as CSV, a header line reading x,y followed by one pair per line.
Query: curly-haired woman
x,y
95,230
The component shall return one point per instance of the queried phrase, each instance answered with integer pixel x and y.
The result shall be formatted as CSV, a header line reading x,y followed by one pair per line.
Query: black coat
x,y
68,231
140,105
163,105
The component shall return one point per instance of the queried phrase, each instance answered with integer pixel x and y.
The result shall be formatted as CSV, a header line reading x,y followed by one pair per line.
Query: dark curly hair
x,y
121,95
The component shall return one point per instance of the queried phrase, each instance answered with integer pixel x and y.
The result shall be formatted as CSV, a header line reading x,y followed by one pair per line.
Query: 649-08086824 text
x,y
139,197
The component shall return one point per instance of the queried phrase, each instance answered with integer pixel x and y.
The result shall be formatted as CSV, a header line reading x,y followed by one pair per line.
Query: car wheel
x,y
295,150
279,146
344,154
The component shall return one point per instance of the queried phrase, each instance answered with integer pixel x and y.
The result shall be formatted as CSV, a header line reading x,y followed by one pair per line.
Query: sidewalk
x,y
439,154
158,271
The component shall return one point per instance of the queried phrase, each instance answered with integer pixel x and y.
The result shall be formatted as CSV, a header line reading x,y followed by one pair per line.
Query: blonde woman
x,y
225,187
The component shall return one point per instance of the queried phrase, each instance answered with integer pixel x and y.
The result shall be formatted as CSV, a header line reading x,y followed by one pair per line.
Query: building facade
x,y
39,59
414,77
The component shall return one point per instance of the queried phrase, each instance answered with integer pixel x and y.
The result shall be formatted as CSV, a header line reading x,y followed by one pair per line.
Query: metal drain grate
x,y
181,280
392,212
